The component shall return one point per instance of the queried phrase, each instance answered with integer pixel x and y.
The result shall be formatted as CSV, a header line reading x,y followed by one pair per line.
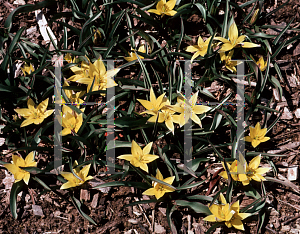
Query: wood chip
x,y
292,174
286,114
95,200
37,210
284,148
84,194
297,113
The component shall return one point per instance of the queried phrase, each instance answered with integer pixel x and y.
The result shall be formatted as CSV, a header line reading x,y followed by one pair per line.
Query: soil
x,y
109,209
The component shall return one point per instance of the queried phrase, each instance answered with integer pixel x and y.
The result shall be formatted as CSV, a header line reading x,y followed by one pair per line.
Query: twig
x,y
271,230
141,208
291,219
297,208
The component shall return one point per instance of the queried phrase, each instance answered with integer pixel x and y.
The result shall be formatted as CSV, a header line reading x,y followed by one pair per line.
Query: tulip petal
x,y
170,125
225,47
150,192
84,171
29,158
196,119
255,143
170,4
155,11
262,170
12,168
192,48
210,218
24,112
169,180
264,139
224,175
159,175
26,177
233,33
148,105
171,13
254,163
43,105
200,109
136,149
222,39
144,167
249,45
149,158
248,139
237,223
127,157
67,185
31,104
147,148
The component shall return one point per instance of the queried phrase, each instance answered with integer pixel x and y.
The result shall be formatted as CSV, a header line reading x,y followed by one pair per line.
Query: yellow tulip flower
x,y
234,40
251,172
257,135
188,110
14,167
230,214
73,97
164,8
229,64
80,72
200,48
133,56
138,157
260,63
154,105
27,69
97,37
32,114
69,59
166,115
103,79
73,181
159,189
71,123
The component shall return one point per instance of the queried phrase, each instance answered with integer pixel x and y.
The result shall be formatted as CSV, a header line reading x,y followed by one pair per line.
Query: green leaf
x,y
78,205
202,10
196,206
16,188
283,31
190,185
139,185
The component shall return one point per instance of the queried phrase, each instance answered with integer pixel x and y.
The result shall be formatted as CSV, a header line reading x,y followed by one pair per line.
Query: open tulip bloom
x,y
73,181
234,40
257,135
133,56
154,105
164,8
188,110
248,172
27,69
230,214
138,157
229,64
200,48
158,189
32,114
17,163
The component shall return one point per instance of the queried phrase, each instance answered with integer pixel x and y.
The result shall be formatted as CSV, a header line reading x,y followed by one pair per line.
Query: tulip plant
x,y
156,61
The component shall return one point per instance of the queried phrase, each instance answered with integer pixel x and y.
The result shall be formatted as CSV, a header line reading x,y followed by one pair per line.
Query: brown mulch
x,y
108,209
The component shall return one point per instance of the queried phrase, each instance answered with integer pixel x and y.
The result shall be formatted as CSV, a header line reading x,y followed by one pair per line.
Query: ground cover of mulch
x,y
107,207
